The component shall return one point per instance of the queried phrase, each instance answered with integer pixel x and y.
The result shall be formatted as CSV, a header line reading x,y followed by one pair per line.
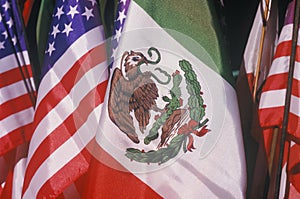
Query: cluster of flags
x,y
266,68
139,101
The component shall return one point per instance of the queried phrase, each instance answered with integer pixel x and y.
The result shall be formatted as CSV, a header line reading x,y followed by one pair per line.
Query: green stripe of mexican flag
x,y
196,20
170,127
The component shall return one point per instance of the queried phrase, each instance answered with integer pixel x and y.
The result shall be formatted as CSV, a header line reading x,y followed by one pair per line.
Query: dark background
x,y
237,18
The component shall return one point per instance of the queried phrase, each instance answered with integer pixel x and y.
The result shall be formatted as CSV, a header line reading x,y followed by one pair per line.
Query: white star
x,y
55,31
14,40
114,52
88,13
10,22
118,34
51,48
59,12
6,6
0,17
122,16
93,2
5,34
2,45
73,11
68,29
123,1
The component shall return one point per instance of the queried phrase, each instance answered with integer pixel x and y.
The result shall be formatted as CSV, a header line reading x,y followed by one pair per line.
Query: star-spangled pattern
x,y
122,10
9,41
71,19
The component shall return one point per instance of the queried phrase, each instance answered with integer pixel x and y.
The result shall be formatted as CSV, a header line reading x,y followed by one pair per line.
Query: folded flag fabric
x,y
17,99
272,102
16,81
170,125
69,101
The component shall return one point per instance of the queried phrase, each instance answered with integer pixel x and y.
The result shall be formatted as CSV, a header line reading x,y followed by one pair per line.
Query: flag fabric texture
x,y
14,181
170,125
26,10
69,101
273,94
17,98
16,82
260,48
16,87
257,59
266,17
272,102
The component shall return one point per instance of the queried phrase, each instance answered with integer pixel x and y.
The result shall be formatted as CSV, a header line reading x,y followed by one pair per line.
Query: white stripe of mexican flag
x,y
216,167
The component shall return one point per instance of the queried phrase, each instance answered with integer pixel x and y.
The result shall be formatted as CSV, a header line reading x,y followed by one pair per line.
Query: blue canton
x,y
71,19
122,10
12,38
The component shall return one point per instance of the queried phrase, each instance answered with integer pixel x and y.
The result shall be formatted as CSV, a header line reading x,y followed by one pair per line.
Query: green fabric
x,y
32,42
196,19
43,27
108,14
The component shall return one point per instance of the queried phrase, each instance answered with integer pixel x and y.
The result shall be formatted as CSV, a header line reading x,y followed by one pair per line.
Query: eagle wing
x,y
118,105
142,100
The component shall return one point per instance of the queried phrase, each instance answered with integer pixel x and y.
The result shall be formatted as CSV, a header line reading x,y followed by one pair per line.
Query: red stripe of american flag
x,y
65,131
58,92
15,105
50,188
276,85
13,76
12,106
271,108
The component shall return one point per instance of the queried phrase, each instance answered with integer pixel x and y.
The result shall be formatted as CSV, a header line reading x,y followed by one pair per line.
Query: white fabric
x,y
216,168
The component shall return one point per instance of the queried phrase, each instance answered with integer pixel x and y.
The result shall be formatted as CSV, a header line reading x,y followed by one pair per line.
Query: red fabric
x,y
12,158
27,10
113,181
7,190
55,185
294,167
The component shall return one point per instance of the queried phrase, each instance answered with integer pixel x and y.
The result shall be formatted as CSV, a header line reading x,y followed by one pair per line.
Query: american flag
x,y
70,96
271,106
122,10
16,82
17,93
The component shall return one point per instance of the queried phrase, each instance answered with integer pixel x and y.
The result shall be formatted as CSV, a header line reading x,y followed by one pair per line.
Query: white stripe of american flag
x,y
35,188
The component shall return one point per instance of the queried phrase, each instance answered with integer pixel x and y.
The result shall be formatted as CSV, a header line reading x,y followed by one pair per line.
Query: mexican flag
x,y
170,127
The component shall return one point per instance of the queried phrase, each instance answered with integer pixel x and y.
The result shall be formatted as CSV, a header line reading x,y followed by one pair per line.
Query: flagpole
x,y
288,97
262,39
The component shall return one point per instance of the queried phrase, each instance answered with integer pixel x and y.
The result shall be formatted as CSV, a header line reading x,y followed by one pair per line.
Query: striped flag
x,y
17,92
17,98
170,123
272,102
69,101
257,60
16,82
265,18
273,95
